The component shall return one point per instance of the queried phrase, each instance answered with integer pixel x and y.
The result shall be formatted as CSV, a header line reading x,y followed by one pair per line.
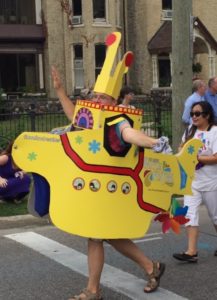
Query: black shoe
x,y
186,257
215,253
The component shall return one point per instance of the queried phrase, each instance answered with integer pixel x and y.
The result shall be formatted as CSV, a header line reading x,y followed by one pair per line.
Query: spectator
x,y
204,185
199,88
14,183
126,96
211,96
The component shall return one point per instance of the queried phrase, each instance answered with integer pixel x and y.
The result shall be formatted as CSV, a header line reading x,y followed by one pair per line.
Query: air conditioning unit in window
x,y
76,20
167,14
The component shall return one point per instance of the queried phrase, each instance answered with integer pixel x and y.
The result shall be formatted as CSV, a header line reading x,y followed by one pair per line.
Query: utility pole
x,y
182,59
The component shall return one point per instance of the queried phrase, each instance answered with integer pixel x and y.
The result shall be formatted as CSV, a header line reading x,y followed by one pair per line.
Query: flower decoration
x,y
174,218
94,146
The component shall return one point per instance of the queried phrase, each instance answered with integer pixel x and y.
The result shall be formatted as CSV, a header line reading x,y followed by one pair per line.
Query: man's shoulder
x,y
193,97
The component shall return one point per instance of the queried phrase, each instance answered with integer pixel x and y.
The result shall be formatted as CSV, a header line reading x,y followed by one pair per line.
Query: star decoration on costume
x,y
191,150
174,218
94,146
32,156
79,140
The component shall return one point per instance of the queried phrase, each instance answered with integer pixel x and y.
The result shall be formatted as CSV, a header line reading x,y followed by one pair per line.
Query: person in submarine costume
x,y
108,187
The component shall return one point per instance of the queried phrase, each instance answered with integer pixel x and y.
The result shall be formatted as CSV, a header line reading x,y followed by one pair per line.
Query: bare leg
x,y
130,250
95,264
192,232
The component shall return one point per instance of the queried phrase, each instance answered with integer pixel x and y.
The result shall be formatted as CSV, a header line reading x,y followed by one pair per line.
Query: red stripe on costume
x,y
134,174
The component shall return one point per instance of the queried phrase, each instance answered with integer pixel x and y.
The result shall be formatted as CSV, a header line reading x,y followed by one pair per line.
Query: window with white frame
x,y
78,66
167,10
100,52
77,12
99,11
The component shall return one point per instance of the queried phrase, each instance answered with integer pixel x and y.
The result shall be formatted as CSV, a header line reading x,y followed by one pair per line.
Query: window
x,y
18,72
17,11
99,10
78,67
76,12
164,71
167,4
76,8
167,12
100,52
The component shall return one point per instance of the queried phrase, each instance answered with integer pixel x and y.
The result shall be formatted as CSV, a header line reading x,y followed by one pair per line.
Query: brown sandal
x,y
87,295
154,277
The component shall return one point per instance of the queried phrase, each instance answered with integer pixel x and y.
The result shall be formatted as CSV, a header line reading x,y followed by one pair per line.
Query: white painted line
x,y
113,278
154,233
147,240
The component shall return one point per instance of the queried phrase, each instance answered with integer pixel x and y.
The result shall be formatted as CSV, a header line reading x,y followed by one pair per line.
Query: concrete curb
x,y
22,221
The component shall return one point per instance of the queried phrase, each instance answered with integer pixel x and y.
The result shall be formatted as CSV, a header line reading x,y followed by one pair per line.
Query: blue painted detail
x,y
191,149
183,176
94,146
42,194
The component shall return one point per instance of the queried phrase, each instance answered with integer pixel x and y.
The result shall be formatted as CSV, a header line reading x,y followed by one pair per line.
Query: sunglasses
x,y
197,113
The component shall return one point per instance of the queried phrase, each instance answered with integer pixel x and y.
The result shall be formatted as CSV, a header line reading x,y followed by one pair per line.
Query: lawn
x,y
12,209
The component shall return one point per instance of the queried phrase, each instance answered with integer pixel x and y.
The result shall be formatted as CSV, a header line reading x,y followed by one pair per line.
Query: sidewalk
x,y
22,221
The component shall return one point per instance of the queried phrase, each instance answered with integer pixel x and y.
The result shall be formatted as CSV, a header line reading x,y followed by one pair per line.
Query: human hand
x,y
56,78
19,174
3,182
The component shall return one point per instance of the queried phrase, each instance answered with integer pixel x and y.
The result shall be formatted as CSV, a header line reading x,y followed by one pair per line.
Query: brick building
x,y
36,34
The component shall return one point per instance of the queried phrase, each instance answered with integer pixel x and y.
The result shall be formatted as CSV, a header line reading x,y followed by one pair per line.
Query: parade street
x,y
38,261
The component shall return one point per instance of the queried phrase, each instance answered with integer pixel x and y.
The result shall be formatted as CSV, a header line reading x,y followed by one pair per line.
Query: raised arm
x,y
66,103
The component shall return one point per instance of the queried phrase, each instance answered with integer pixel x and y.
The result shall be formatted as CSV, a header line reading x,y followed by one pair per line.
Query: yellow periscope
x,y
95,192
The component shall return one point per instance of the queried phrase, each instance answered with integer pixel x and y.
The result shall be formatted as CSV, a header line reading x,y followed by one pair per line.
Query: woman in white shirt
x,y
204,185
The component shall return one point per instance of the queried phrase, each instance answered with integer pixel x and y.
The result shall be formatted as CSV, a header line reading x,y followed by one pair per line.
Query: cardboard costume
x,y
97,190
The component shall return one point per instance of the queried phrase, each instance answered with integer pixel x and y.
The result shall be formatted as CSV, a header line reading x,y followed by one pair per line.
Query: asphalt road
x,y
38,261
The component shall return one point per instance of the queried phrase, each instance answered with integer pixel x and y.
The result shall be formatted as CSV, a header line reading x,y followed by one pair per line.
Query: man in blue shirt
x,y
211,95
199,88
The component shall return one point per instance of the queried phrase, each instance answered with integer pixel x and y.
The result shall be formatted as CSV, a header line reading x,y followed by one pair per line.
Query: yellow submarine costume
x,y
96,190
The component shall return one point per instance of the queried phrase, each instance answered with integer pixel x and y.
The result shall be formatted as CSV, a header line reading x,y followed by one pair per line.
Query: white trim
x,y
41,73
155,78
38,11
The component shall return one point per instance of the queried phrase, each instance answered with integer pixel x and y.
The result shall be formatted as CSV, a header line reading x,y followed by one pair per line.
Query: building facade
x,y
70,34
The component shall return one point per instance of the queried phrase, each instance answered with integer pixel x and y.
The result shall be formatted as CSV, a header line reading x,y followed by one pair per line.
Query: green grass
x,y
12,209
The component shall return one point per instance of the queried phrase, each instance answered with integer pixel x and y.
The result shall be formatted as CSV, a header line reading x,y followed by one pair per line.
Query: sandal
x,y
154,277
87,295
186,257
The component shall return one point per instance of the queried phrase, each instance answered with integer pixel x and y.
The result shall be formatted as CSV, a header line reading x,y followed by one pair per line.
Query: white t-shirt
x,y
206,177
